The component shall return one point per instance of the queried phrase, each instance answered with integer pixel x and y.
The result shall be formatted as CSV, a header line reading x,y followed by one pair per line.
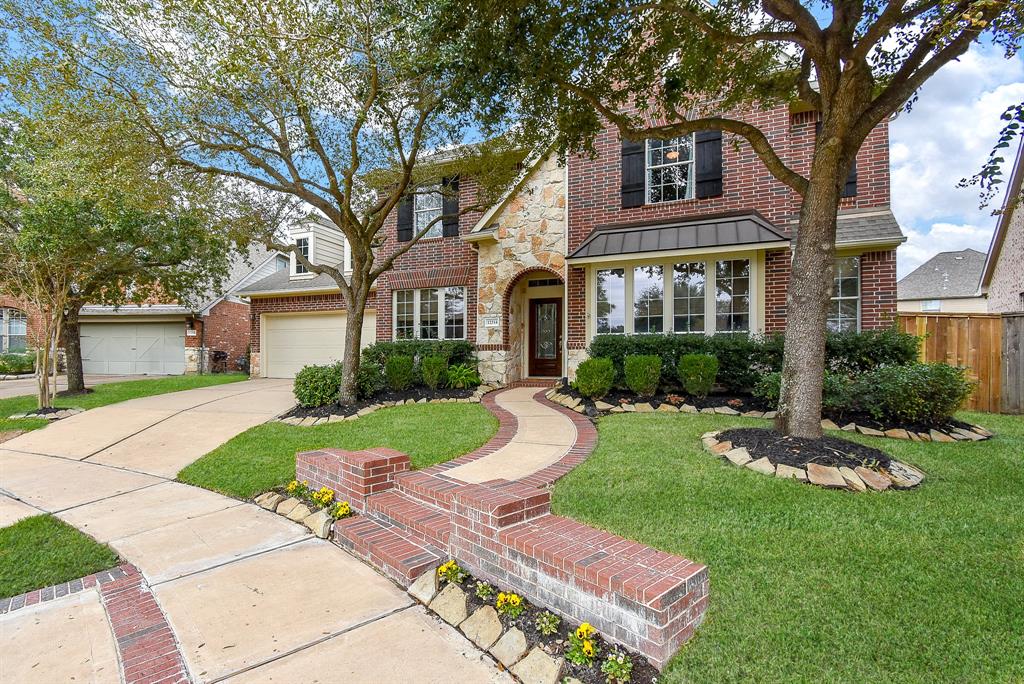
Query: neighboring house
x,y
1003,277
170,338
949,282
688,236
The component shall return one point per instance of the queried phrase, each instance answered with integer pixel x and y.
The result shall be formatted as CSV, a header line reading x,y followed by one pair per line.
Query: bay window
x,y
611,300
688,297
844,310
732,295
648,299
430,314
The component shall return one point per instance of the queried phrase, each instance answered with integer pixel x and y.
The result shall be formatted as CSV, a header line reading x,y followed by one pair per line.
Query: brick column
x,y
353,475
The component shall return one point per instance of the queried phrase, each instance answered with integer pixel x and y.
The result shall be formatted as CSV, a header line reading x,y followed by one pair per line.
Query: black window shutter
x,y
633,180
850,188
405,218
709,164
450,207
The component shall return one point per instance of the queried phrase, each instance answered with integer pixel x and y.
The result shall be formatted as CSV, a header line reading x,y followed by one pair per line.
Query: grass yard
x,y
263,457
815,585
40,551
110,393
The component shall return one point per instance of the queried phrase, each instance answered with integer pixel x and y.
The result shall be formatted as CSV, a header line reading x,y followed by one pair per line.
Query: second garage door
x,y
293,341
133,348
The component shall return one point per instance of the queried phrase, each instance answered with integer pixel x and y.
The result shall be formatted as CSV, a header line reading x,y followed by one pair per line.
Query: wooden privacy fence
x,y
988,345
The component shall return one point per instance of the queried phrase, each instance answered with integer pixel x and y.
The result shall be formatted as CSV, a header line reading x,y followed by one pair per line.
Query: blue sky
x,y
947,136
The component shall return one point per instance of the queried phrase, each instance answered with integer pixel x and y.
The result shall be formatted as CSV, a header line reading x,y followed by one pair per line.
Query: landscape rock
x,y
510,648
761,465
770,415
482,627
968,434
644,407
825,476
292,420
849,427
616,409
366,410
853,481
788,472
287,506
872,432
319,523
299,513
982,431
603,406
897,433
720,448
938,436
707,411
628,408
668,408
904,476
726,411
827,424
450,605
738,457
269,500
873,479
752,414
538,668
688,408
924,436
424,589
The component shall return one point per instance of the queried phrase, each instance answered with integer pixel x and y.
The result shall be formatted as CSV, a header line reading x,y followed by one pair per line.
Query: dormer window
x,y
427,207
302,247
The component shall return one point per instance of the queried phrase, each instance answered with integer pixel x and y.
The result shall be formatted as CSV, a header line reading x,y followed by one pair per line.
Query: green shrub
x,y
839,393
595,377
17,362
643,373
434,370
398,371
861,351
456,351
769,388
697,373
317,385
916,393
462,376
369,378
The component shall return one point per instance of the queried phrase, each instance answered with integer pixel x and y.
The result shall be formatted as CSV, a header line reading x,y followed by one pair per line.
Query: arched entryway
x,y
534,316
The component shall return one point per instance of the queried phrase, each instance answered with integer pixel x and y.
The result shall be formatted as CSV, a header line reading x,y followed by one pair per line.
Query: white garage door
x,y
134,348
293,341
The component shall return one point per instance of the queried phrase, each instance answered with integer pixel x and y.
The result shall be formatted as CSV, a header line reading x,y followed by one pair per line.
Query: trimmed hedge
x,y
643,373
744,358
456,351
17,362
398,371
434,370
595,377
697,373
317,385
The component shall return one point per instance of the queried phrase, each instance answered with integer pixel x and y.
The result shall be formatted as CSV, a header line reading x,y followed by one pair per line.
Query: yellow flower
x,y
515,599
585,631
588,648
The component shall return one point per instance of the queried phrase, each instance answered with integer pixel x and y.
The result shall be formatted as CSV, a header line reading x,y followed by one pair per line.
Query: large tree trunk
x,y
349,392
807,302
73,349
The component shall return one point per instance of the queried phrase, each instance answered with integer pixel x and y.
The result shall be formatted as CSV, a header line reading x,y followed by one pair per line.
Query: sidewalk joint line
x,y
233,560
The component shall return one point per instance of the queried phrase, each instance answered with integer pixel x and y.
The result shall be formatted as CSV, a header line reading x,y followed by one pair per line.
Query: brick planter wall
x,y
353,475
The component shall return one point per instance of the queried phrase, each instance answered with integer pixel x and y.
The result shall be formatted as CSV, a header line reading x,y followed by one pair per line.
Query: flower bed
x,y
826,462
307,416
534,644
316,509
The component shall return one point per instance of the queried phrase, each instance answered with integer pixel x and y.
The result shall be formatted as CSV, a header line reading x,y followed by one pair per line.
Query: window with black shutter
x,y
450,211
850,186
633,170
405,219
709,164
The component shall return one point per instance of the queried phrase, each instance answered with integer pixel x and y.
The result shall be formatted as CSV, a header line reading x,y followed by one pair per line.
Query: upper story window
x,y
670,169
13,330
844,311
302,246
427,207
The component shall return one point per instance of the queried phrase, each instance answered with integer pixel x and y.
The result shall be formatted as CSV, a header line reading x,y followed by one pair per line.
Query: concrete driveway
x,y
23,386
249,595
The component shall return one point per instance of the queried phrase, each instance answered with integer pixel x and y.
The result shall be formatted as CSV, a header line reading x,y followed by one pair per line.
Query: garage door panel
x,y
133,348
291,342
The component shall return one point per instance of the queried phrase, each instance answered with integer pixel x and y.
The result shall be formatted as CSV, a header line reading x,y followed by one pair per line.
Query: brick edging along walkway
x,y
56,591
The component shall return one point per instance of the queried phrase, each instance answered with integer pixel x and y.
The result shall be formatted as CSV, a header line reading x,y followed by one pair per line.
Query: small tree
x,y
672,67
341,106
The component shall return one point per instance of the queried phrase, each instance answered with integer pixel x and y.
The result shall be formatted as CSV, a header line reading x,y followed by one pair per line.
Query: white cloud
x,y
947,136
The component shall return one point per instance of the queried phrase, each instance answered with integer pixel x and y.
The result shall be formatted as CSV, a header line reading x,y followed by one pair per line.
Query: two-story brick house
x,y
687,236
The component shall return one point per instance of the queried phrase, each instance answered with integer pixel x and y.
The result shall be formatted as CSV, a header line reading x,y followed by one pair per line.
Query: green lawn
x,y
814,585
263,457
110,393
40,551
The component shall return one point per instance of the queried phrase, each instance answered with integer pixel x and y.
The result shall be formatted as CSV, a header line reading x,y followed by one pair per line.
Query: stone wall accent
x,y
353,475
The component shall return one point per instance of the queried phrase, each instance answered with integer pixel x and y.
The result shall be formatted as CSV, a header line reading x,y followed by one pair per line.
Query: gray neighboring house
x,y
171,338
949,282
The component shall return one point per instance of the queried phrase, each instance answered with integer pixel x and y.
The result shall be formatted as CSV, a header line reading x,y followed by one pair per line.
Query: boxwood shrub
x,y
317,385
456,351
643,373
697,373
595,377
398,371
434,369
369,378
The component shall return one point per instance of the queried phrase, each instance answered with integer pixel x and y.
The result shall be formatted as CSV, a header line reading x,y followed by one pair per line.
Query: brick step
x,y
426,523
426,488
385,547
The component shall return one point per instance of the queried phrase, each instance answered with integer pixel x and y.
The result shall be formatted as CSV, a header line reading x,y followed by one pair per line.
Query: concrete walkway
x,y
543,437
249,596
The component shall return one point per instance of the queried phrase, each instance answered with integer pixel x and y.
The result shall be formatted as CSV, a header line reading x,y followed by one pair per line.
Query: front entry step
x,y
386,547
423,522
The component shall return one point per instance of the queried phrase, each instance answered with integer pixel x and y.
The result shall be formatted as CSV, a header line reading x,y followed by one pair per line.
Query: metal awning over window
x,y
707,232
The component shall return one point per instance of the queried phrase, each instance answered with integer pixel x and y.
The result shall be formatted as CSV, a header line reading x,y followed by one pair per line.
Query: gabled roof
x,y
947,275
1010,205
282,282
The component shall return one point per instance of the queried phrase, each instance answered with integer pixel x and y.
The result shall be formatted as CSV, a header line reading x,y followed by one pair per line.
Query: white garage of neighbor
x,y
126,348
290,341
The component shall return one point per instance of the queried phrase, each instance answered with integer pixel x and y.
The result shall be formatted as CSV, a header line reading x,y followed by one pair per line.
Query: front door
x,y
546,337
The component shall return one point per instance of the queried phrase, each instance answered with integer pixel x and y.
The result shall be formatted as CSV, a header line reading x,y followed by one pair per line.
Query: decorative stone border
x,y
319,522
975,434
49,415
859,479
310,421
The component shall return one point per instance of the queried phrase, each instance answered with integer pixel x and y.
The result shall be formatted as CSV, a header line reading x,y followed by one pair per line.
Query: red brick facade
x,y
34,322
314,302
226,328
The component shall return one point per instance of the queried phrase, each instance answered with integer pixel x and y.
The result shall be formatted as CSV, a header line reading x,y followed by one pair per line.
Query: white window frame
x,y
436,230
836,297
931,305
755,324
441,327
294,264
691,176
5,327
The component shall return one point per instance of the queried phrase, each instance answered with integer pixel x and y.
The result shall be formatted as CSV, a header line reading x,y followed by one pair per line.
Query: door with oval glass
x,y
545,337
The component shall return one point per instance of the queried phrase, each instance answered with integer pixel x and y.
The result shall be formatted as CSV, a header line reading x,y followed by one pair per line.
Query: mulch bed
x,y
798,452
556,644
415,393
866,420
